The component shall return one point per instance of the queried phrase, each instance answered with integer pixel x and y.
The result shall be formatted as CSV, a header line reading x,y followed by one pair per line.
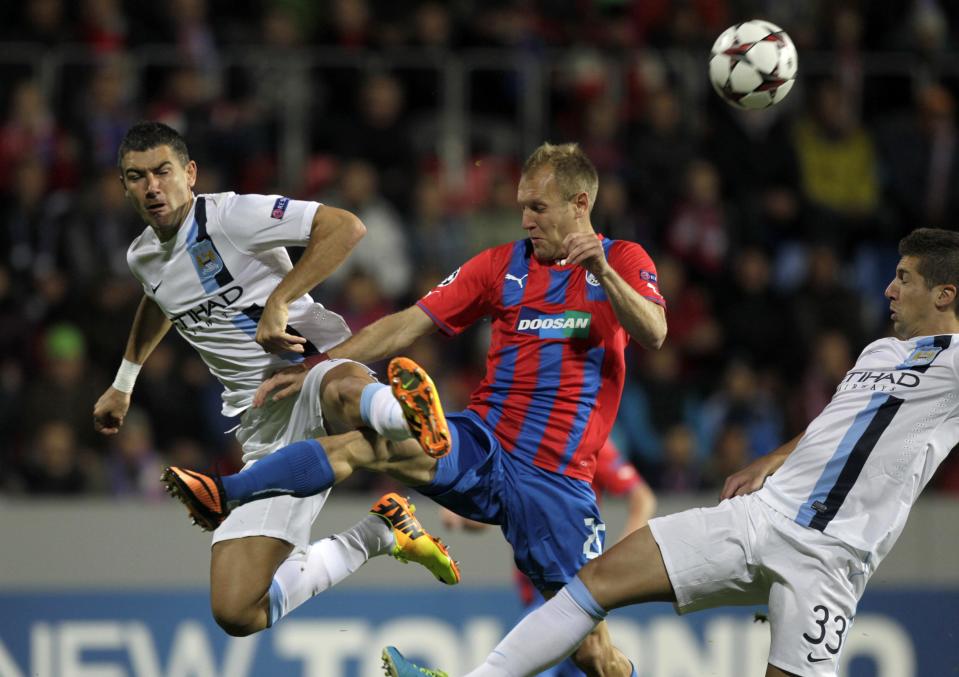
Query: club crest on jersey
x,y
279,207
591,280
571,324
920,357
208,263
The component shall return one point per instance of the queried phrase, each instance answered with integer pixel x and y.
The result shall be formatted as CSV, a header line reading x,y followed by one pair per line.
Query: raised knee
x,y
340,400
237,622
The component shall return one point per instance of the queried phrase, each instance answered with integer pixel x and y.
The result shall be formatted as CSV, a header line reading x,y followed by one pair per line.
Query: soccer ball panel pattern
x,y
753,64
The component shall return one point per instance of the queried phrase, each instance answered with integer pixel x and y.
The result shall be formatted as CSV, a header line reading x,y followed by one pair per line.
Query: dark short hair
x,y
146,135
938,253
573,170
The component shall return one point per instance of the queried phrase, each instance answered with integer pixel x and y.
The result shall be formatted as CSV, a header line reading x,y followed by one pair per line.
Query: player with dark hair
x,y
563,303
803,528
215,267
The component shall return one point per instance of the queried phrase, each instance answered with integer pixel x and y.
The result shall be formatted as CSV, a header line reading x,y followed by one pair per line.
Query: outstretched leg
x,y
630,572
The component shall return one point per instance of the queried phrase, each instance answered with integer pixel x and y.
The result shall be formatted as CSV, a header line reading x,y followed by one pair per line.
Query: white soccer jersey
x,y
213,279
864,460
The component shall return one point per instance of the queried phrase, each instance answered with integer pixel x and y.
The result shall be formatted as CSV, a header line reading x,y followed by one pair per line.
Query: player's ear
x,y
946,295
191,172
581,203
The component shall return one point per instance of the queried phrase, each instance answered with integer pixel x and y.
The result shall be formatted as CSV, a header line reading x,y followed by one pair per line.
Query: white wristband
x,y
126,376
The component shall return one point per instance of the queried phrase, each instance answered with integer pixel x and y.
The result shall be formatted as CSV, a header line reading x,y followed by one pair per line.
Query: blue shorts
x,y
551,520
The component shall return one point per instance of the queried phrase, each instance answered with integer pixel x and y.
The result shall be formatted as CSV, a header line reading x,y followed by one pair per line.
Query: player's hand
x,y
586,250
271,331
286,382
751,478
110,410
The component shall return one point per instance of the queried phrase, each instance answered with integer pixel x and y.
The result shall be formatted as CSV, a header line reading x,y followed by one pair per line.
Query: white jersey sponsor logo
x,y
213,289
864,460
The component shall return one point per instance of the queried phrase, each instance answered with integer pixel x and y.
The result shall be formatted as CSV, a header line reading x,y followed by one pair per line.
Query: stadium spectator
x,y
657,397
829,360
133,462
745,310
383,254
65,385
824,301
839,170
45,22
54,464
920,161
33,234
694,331
682,469
102,110
661,149
744,399
698,231
31,132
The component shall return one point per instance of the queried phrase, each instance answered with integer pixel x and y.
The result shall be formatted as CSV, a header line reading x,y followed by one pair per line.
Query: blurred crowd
x,y
774,232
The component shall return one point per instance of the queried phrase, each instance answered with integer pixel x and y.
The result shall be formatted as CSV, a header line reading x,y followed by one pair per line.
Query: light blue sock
x,y
366,401
276,603
300,469
383,413
582,596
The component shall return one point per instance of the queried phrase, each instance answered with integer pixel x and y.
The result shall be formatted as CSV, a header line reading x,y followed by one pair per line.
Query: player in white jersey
x,y
216,268
802,528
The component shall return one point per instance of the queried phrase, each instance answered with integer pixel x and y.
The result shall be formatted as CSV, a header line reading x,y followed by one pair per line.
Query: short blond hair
x,y
574,172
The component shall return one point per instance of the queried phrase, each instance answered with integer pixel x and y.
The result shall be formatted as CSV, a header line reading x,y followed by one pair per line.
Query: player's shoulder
x,y
218,198
627,248
145,242
507,250
499,256
218,202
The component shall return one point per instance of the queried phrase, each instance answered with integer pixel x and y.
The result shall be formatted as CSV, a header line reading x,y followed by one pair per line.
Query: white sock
x,y
326,563
380,410
544,637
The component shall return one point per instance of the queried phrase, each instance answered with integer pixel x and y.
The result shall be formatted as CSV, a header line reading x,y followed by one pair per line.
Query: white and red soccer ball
x,y
753,64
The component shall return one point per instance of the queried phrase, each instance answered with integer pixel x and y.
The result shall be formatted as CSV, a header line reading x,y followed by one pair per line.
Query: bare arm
x,y
150,325
753,476
334,234
643,320
386,337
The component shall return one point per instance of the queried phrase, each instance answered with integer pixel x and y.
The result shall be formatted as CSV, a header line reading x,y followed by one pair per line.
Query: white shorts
x,y
742,552
264,430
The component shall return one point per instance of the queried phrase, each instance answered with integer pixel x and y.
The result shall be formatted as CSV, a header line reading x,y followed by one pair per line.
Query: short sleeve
x,y
463,297
256,223
636,267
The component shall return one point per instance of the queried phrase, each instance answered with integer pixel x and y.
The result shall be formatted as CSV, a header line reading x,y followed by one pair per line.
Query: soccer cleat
x,y
414,390
395,665
413,542
202,495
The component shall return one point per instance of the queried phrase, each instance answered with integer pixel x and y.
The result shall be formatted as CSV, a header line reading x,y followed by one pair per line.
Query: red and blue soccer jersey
x,y
556,363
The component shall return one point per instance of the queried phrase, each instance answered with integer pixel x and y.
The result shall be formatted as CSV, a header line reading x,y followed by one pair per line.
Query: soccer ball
x,y
753,64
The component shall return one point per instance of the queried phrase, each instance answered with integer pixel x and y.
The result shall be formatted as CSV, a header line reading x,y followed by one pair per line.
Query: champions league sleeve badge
x,y
206,259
